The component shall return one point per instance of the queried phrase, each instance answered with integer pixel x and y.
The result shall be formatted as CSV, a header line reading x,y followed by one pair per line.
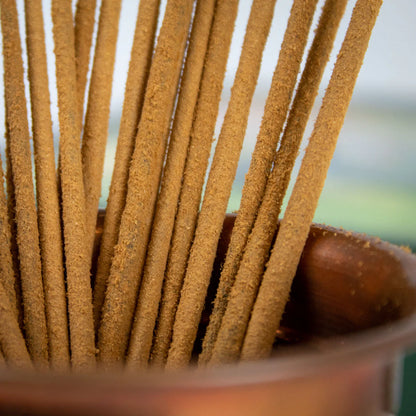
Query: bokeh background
x,y
371,185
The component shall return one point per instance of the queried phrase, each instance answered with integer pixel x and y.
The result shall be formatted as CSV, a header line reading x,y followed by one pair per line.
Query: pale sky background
x,y
371,185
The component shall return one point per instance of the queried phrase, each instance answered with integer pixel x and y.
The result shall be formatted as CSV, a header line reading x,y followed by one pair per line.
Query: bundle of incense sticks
x,y
143,306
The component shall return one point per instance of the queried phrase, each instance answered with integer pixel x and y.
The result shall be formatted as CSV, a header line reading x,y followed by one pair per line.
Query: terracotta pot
x,y
352,312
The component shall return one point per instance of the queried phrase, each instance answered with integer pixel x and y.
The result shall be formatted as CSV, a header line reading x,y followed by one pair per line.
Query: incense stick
x,y
195,168
98,111
157,252
144,176
84,29
73,201
21,165
11,339
243,293
218,187
294,228
277,104
47,189
7,276
135,88
11,214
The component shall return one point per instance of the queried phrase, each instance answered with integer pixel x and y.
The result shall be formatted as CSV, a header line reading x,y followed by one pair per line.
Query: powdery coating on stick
x,y
275,113
98,111
11,213
11,339
144,177
157,253
26,218
243,293
81,325
84,29
195,168
141,56
218,187
274,290
47,190
7,276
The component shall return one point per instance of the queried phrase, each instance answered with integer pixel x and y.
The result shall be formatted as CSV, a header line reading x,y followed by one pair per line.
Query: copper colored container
x,y
352,312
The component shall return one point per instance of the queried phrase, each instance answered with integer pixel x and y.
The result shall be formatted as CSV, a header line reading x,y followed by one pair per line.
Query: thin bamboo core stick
x,y
195,168
275,112
47,190
143,183
242,296
294,228
218,187
20,158
157,252
11,339
141,56
81,325
98,111
84,30
7,276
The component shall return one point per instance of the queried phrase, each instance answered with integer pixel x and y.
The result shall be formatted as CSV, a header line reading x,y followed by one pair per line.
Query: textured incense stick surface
x,y
84,28
77,263
144,175
11,214
11,339
195,169
21,169
94,137
7,275
135,88
278,101
294,228
221,177
248,277
157,252
47,190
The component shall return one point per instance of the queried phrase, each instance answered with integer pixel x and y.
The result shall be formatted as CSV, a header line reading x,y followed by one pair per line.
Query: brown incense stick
x,y
98,111
11,214
73,201
242,296
278,101
11,339
7,276
294,228
218,187
21,165
196,164
157,252
144,176
135,88
84,29
47,189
